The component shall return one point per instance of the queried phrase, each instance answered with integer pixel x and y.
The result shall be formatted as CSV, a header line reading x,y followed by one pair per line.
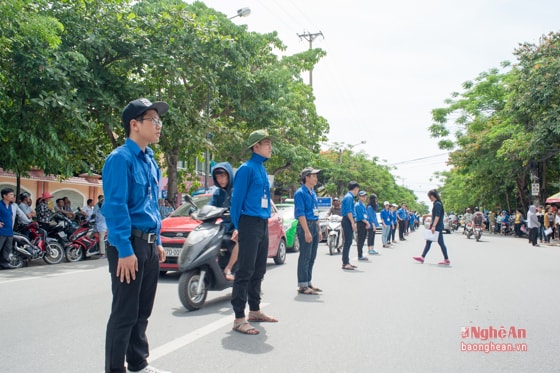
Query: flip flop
x,y
349,267
307,291
244,328
259,316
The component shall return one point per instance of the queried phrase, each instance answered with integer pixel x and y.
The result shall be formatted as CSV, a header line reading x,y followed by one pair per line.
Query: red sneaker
x,y
445,262
418,259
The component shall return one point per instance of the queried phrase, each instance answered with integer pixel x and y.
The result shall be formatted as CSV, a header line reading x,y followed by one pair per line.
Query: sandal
x,y
348,266
229,276
244,327
259,316
307,290
316,289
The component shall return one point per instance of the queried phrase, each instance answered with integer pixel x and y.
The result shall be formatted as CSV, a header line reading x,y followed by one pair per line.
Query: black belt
x,y
148,237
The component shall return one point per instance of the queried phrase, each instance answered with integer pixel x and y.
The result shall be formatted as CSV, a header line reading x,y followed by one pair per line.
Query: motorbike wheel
x,y
74,253
295,248
16,261
54,253
331,241
188,284
280,257
469,234
478,237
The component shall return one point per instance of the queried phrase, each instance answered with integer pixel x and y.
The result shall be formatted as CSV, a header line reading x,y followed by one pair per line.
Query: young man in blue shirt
x,y
250,210
306,212
402,218
348,223
386,224
362,223
130,184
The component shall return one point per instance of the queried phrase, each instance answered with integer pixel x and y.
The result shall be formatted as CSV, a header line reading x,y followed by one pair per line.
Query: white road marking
x,y
191,337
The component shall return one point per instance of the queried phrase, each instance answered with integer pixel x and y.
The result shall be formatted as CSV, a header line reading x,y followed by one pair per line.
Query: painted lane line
x,y
191,337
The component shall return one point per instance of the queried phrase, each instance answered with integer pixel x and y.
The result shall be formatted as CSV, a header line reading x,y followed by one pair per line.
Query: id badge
x,y
264,203
315,212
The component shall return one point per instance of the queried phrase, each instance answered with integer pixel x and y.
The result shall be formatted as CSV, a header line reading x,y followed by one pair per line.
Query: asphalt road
x,y
389,315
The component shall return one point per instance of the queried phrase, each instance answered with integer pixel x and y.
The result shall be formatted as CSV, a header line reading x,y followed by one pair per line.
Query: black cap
x,y
136,108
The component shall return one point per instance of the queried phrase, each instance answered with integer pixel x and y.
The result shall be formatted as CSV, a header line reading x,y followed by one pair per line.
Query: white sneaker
x,y
148,369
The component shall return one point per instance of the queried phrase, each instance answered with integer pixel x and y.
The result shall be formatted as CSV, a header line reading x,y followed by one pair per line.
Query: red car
x,y
177,226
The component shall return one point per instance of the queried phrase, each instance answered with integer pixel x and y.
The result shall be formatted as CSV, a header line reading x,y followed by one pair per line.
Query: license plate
x,y
172,252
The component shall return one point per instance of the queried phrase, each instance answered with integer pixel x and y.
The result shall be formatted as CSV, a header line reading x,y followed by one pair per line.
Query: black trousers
x,y
371,237
533,233
251,260
348,236
402,227
132,306
361,239
6,243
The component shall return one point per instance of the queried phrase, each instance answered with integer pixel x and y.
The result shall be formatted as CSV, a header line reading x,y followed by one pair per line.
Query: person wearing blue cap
x,y
131,179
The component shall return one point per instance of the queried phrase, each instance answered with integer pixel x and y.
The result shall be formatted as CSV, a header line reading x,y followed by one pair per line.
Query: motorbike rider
x,y
335,208
478,218
222,173
453,219
467,218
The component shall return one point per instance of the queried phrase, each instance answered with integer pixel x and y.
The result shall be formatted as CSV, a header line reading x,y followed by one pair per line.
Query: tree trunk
x,y
172,159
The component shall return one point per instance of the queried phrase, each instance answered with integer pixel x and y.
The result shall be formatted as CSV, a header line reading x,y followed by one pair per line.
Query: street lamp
x,y
360,143
243,12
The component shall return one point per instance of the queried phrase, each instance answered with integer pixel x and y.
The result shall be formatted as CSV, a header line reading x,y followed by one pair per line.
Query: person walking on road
x,y
250,210
348,223
130,184
435,225
306,212
533,225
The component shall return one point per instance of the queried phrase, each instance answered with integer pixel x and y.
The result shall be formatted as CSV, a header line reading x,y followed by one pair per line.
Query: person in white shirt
x,y
87,210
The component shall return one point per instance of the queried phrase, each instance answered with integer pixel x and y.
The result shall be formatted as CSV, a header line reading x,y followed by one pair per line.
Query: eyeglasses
x,y
155,121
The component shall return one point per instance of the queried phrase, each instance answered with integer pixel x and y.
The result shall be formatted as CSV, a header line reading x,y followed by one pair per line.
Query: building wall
x,y
77,189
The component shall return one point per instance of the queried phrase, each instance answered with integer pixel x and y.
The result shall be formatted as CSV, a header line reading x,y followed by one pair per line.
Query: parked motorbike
x,y
31,242
84,242
334,239
60,228
204,256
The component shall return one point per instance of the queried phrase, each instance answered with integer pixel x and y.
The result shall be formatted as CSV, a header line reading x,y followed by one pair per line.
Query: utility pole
x,y
310,37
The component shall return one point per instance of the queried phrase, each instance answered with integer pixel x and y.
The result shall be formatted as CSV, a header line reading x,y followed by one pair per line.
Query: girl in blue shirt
x,y
362,223
373,223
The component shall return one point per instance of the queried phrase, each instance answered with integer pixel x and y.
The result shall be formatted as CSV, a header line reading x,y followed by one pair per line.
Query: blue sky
x,y
389,64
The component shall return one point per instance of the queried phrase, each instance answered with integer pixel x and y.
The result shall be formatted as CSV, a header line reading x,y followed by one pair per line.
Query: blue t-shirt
x,y
437,210
250,189
360,212
130,185
347,205
305,204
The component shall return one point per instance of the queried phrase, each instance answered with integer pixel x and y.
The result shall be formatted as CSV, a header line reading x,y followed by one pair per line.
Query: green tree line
x,y
503,132
68,67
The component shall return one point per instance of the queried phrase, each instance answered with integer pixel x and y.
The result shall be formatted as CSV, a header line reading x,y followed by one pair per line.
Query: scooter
x,y
469,230
84,242
31,242
204,256
334,239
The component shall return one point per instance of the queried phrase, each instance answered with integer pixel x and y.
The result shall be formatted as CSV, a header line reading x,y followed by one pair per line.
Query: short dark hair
x,y
353,185
89,201
6,191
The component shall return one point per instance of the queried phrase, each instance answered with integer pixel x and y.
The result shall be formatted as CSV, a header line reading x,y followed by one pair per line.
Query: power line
x,y
418,159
